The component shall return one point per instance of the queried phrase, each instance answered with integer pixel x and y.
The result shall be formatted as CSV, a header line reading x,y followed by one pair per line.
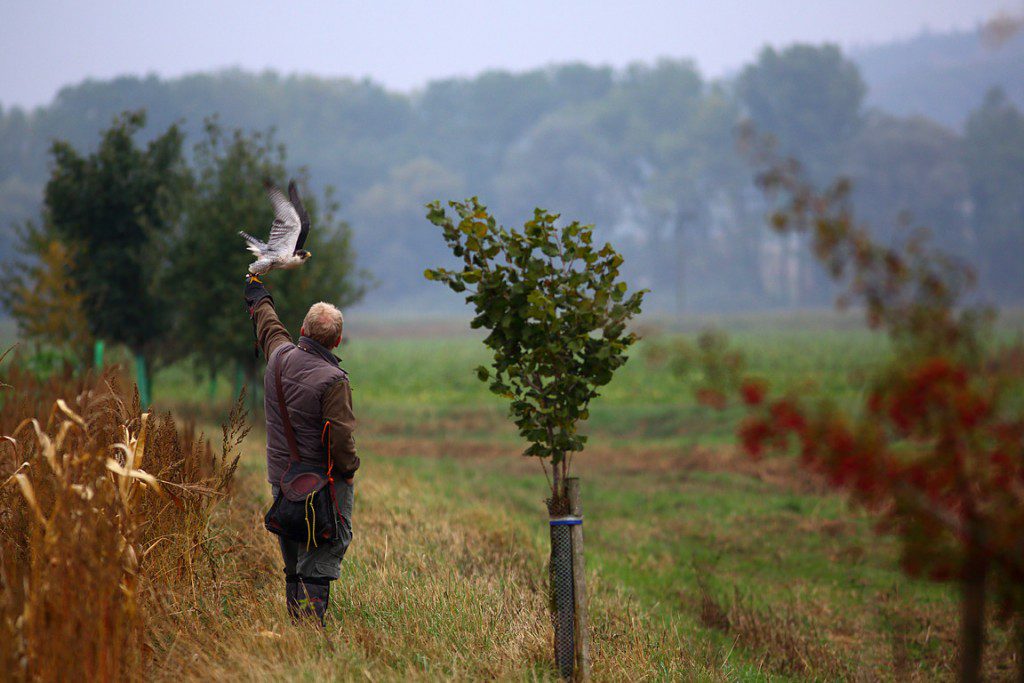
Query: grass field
x,y
703,565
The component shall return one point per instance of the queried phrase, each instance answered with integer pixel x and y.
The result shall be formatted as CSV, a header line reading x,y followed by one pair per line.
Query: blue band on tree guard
x,y
566,521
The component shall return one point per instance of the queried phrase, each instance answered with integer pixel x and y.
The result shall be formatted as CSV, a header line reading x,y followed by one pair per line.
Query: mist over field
x,y
647,153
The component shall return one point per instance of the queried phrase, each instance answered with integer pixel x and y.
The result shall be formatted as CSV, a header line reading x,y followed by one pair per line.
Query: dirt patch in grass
x,y
783,640
906,641
923,641
670,464
454,423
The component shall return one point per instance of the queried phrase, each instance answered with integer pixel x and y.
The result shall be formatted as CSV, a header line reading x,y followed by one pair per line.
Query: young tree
x,y
40,295
557,314
935,447
110,207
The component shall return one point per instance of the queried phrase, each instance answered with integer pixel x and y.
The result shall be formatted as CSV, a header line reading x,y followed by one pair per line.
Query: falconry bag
x,y
305,506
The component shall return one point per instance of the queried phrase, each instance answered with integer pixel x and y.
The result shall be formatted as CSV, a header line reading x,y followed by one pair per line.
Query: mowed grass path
x,y
703,565
436,585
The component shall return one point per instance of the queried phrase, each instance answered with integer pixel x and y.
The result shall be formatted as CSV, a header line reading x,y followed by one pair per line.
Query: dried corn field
x,y
104,514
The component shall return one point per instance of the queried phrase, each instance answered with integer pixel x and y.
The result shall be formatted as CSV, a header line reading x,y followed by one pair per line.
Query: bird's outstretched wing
x,y
284,233
252,244
293,195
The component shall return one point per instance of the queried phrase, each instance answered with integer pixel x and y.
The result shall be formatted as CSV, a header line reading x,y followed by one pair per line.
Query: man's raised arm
x,y
270,333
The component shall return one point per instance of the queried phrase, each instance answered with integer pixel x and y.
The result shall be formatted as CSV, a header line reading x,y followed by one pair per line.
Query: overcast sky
x,y
45,44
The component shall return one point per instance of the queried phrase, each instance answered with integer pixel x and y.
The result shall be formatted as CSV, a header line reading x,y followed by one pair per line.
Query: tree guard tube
x,y
563,613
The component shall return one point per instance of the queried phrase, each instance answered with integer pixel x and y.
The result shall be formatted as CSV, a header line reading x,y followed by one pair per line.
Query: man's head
x,y
323,324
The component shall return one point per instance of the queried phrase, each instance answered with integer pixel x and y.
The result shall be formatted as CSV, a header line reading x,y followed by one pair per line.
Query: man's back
x,y
317,393
308,371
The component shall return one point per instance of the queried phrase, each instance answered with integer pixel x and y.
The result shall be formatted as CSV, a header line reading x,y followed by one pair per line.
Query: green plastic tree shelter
x,y
97,354
142,380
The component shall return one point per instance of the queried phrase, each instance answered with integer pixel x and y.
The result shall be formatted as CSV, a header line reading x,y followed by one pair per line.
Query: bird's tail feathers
x,y
252,244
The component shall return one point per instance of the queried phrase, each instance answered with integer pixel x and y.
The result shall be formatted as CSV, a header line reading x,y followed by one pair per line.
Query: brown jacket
x,y
317,394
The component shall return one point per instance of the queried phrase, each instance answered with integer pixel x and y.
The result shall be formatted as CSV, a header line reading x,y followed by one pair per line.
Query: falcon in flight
x,y
283,249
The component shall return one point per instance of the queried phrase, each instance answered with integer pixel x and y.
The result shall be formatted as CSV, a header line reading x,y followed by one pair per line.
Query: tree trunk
x,y
556,484
751,245
972,624
794,269
680,248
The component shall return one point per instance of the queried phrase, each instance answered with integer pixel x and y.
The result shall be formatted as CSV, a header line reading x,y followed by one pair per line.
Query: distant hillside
x,y
941,76
646,153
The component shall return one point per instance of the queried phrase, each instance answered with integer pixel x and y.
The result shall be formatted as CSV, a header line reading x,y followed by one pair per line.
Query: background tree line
x,y
646,153
138,246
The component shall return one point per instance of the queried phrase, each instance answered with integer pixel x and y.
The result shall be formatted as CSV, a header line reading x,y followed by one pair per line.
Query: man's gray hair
x,y
323,323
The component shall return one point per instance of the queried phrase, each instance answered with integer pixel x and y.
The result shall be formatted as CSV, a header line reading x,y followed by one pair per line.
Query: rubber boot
x,y
313,600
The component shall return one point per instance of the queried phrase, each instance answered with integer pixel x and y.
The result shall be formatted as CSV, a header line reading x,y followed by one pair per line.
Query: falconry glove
x,y
255,292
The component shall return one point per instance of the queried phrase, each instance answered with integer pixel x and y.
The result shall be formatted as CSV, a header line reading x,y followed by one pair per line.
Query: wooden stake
x,y
579,584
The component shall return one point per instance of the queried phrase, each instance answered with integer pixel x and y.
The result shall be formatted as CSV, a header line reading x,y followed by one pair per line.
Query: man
x,y
319,404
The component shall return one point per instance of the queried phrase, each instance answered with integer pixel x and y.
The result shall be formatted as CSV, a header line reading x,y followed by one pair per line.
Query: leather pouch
x,y
304,510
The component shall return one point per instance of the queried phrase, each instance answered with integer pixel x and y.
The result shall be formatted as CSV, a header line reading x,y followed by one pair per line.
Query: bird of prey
x,y
283,249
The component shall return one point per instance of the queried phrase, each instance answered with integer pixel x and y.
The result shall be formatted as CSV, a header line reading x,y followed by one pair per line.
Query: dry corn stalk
x,y
91,539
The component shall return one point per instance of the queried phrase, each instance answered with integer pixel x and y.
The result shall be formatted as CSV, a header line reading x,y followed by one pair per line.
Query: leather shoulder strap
x,y
289,433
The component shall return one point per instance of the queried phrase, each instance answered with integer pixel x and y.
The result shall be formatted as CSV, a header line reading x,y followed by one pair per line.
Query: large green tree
x,y
564,159
994,155
389,214
207,258
112,207
695,196
810,99
909,172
